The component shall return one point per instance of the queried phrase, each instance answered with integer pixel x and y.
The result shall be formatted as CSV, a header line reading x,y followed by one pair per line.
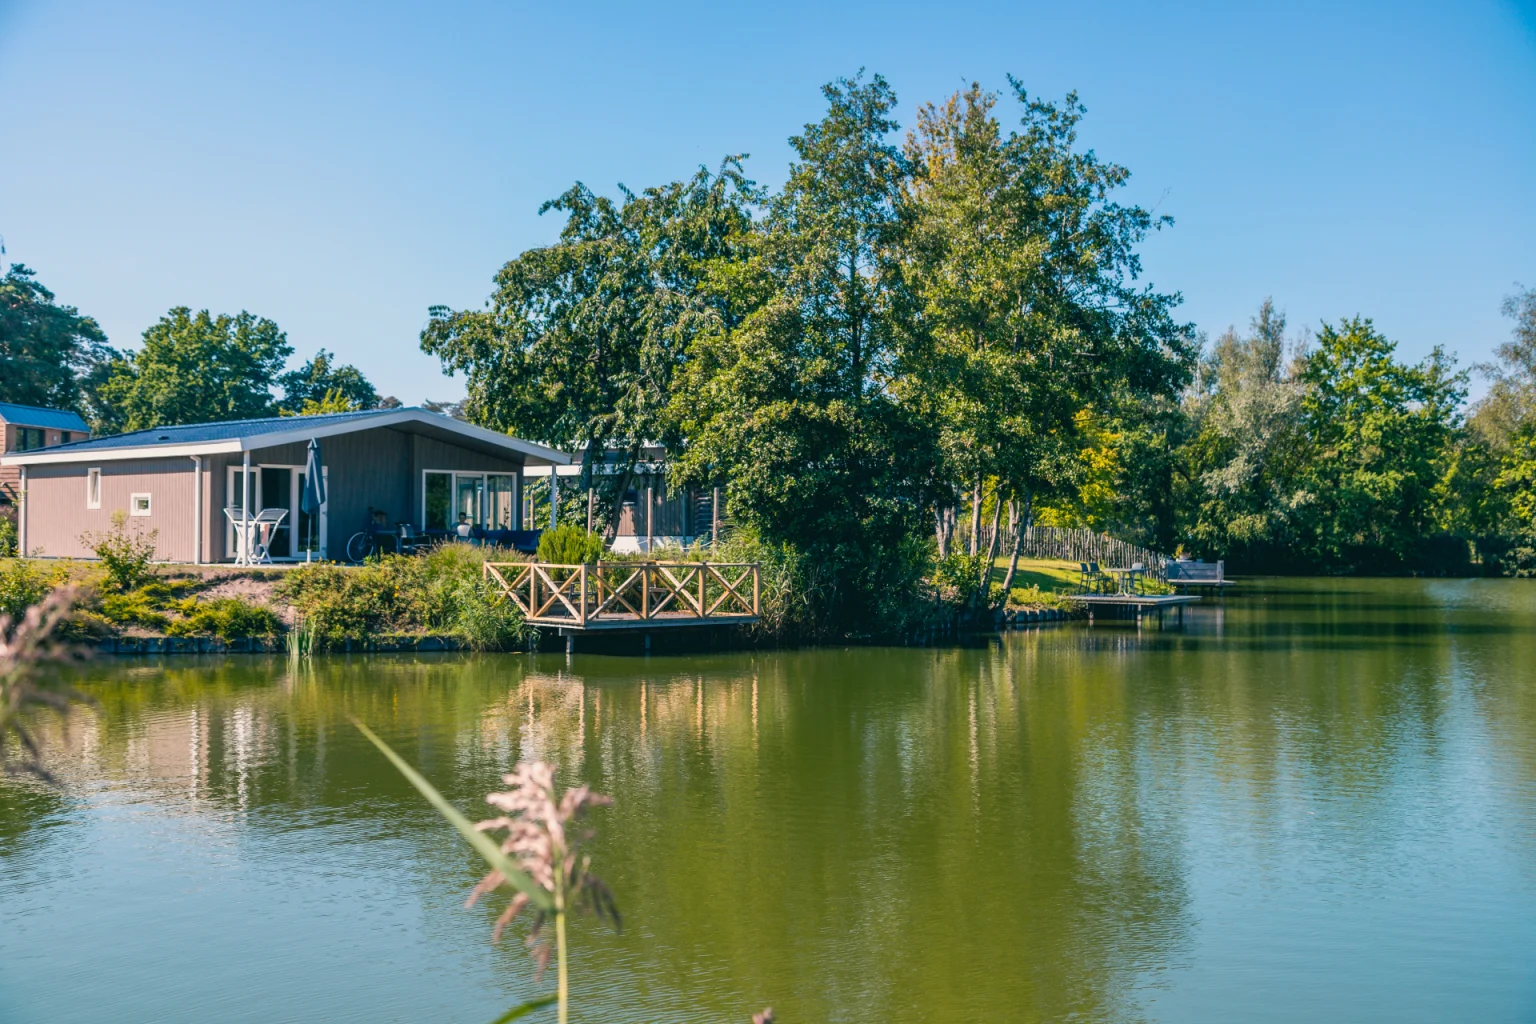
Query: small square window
x,y
93,488
138,505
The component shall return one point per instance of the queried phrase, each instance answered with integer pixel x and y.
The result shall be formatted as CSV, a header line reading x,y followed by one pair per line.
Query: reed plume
x,y
26,646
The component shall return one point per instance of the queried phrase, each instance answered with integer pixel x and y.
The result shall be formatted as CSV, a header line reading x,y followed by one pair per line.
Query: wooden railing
x,y
617,595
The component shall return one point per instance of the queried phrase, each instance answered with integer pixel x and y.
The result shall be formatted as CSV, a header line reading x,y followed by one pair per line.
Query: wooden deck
x,y
644,595
1136,605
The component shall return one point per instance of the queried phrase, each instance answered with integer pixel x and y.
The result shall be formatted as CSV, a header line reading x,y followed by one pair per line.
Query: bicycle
x,y
377,538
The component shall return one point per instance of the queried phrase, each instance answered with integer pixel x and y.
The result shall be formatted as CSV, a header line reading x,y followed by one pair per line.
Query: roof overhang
x,y
412,420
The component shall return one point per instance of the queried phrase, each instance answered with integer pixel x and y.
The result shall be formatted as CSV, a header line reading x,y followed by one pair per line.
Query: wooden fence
x,y
1087,546
631,595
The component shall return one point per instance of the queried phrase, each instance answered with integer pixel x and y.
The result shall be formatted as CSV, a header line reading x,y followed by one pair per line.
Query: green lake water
x,y
1315,802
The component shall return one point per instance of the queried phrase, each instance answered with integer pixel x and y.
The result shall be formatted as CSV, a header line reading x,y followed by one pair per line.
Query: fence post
x,y
583,594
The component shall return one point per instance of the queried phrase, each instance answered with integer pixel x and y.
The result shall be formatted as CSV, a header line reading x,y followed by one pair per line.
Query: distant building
x,y
27,428
651,515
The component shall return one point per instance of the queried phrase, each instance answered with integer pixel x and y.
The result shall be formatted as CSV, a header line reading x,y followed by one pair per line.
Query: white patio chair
x,y
245,530
265,524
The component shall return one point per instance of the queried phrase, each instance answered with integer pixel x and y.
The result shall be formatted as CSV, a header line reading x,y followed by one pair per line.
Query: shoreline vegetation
x,y
440,600
924,344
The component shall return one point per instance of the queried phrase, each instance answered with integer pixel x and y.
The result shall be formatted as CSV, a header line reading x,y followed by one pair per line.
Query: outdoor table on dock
x,y
1125,578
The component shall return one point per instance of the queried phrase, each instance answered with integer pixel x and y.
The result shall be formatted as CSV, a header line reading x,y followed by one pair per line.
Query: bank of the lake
x,y
1316,801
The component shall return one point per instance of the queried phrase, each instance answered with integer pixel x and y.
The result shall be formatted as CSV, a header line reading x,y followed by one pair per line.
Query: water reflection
x,y
1065,824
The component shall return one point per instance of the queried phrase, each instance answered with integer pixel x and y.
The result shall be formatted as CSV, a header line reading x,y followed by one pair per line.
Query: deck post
x,y
570,645
650,511
554,497
703,608
583,571
244,546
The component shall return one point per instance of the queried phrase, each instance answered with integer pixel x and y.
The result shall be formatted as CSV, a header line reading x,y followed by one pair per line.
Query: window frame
x,y
93,487
133,504
483,500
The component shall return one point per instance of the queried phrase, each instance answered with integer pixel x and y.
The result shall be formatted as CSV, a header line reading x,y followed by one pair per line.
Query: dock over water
x,y
1135,605
608,596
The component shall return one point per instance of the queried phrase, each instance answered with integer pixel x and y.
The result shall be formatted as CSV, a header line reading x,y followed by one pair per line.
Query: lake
x,y
1317,801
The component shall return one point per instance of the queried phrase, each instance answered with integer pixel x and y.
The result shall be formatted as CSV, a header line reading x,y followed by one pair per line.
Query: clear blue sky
x,y
341,168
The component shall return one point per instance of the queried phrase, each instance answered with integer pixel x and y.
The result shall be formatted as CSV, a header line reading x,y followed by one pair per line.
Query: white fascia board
x,y
528,449
516,444
574,469
46,457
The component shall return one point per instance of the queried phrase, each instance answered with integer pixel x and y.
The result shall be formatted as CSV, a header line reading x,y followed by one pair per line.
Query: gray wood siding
x,y
57,515
379,468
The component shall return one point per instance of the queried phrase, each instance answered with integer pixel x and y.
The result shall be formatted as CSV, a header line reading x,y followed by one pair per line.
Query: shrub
x,y
569,545
126,555
8,539
140,607
25,582
442,591
227,618
1034,597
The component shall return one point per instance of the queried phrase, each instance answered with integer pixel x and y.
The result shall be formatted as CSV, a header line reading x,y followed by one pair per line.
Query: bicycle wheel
x,y
359,546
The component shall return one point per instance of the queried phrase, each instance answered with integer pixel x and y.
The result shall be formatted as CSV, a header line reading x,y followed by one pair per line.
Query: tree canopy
x,y
53,355
197,368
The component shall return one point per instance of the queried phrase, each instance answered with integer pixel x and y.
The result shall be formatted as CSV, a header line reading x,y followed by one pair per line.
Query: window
x,y
28,439
138,505
93,488
439,500
466,504
499,495
487,500
65,437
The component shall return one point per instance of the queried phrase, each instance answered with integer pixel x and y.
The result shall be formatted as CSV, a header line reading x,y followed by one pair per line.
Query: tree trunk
x,y
617,505
943,527
984,582
975,519
1018,522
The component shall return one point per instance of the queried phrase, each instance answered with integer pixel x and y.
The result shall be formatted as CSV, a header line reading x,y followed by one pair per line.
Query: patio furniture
x,y
264,526
245,530
1093,580
1127,579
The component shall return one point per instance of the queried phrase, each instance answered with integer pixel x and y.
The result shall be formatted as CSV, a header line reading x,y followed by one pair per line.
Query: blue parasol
x,y
314,489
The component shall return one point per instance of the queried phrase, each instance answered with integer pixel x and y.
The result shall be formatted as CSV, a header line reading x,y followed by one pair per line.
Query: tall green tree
x,y
1249,443
794,408
321,381
198,368
1380,434
1025,267
53,356
579,343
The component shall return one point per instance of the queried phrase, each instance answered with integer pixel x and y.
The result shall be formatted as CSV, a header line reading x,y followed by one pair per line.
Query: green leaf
x,y
527,1008
484,845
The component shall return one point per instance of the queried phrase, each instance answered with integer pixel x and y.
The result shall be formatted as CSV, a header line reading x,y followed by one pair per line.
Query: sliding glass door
x,y
487,500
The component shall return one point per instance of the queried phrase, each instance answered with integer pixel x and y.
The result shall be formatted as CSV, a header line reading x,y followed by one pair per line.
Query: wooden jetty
x,y
1136,605
642,595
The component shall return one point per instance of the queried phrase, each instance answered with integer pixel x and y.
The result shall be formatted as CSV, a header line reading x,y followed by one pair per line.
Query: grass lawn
x,y
1046,573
